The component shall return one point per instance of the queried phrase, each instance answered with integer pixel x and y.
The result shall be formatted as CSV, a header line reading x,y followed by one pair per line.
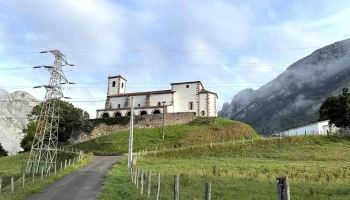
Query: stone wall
x,y
143,121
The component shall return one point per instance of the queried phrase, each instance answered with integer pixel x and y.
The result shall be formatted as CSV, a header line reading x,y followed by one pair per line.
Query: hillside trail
x,y
81,184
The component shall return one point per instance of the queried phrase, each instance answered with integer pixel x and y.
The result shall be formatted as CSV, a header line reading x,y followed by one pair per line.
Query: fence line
x,y
23,179
234,142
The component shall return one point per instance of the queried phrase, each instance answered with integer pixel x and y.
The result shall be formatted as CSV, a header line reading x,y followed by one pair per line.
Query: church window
x,y
119,105
113,84
203,112
190,105
158,104
122,85
187,86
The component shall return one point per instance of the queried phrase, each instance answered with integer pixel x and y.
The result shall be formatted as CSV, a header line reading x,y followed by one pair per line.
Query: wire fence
x,y
9,184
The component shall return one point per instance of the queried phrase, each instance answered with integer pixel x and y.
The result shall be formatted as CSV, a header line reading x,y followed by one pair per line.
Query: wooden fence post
x,y
243,140
207,191
131,174
12,185
65,164
158,187
149,184
0,183
305,133
23,179
33,175
42,173
137,178
142,176
135,175
176,187
55,167
282,188
69,163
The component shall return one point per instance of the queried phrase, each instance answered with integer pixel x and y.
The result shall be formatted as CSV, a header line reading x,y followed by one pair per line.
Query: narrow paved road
x,y
83,184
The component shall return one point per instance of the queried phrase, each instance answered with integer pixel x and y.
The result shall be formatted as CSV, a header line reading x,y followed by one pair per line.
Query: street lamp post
x,y
163,117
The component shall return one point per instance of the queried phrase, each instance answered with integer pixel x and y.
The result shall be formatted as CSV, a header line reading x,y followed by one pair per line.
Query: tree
x,y
2,151
337,109
69,116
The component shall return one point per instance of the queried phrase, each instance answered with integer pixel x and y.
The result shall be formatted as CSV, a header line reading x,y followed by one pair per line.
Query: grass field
x,y
12,166
196,132
318,167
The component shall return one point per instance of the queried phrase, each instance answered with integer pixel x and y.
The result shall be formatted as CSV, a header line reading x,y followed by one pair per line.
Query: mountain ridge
x,y
14,108
293,98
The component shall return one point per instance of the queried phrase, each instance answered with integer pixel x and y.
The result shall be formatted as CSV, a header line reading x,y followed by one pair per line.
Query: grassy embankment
x,y
318,167
12,166
194,133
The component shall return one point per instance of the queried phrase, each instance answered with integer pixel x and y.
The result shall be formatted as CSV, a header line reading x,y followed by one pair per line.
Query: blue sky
x,y
228,45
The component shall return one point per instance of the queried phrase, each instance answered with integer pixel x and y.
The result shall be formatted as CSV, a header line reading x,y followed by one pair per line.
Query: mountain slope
x,y
14,108
295,96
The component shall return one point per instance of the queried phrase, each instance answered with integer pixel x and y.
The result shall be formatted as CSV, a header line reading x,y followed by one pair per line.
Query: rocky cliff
x,y
295,96
14,108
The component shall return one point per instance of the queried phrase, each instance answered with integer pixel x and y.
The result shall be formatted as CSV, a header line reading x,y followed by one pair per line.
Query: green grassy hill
x,y
202,130
318,167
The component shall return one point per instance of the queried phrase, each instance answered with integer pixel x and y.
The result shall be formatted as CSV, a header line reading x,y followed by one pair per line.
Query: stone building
x,y
182,97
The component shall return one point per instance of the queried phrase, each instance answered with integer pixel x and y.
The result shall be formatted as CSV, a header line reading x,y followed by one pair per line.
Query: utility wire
x,y
167,51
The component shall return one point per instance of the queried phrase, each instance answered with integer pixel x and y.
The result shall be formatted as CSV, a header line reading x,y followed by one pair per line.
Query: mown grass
x,y
12,166
196,132
318,167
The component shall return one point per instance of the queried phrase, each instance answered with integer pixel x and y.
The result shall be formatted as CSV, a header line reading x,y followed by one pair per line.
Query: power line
x,y
170,50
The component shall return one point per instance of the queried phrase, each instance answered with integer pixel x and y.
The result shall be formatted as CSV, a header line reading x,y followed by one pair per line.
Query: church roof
x,y
206,91
142,93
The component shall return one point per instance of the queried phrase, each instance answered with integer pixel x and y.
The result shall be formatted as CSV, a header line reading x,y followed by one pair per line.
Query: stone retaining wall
x,y
143,121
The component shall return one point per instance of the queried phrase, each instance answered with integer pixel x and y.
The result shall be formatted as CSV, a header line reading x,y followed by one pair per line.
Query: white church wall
x,y
203,104
183,96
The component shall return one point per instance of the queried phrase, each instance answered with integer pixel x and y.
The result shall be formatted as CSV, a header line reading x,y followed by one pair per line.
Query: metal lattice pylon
x,y
44,147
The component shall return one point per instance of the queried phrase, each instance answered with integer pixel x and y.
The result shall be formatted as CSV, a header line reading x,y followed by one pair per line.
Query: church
x,y
182,97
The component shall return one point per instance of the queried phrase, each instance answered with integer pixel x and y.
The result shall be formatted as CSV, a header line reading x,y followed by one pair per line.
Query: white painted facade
x,y
318,128
182,97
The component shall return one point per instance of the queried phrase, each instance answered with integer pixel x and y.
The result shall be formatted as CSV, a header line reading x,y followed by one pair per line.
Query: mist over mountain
x,y
14,108
295,96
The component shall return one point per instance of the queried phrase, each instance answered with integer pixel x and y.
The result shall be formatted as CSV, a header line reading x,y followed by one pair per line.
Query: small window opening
x,y
190,105
158,104
122,85
187,86
139,105
118,105
113,84
203,112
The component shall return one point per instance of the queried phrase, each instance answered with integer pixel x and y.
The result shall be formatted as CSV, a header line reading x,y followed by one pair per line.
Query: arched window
x,y
129,113
113,84
143,112
156,112
122,85
105,115
117,114
158,103
203,113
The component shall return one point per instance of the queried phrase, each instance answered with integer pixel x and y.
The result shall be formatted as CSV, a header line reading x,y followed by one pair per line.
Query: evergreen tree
x,y
2,151
337,109
69,116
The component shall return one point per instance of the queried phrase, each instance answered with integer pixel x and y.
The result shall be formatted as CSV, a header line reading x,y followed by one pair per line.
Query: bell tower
x,y
116,85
